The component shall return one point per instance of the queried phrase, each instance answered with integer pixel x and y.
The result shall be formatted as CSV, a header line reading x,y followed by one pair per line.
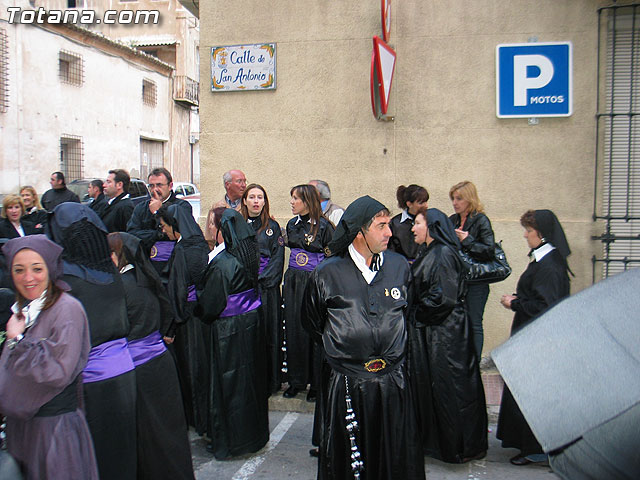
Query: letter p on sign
x,y
534,80
522,83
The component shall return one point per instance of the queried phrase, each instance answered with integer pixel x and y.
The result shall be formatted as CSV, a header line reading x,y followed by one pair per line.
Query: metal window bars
x,y
149,92
617,176
71,157
71,68
4,71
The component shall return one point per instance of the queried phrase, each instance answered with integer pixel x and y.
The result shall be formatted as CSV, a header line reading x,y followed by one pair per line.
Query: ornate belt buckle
x,y
375,365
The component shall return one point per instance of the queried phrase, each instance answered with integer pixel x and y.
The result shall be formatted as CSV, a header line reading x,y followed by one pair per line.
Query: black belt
x,y
374,367
66,401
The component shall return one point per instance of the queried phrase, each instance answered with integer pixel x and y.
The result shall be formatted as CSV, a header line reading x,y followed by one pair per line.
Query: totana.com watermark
x,y
18,15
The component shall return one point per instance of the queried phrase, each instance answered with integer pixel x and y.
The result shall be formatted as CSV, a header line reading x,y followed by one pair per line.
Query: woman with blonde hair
x,y
473,229
12,224
30,199
34,212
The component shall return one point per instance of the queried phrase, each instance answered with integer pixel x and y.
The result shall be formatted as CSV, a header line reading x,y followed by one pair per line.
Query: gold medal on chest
x,y
308,238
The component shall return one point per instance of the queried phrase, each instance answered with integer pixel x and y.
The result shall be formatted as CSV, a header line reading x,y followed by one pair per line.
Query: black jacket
x,y
54,197
37,218
99,204
117,214
401,240
480,243
541,286
7,230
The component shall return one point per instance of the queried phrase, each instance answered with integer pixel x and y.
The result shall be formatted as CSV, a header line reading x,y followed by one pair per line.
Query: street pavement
x,y
286,455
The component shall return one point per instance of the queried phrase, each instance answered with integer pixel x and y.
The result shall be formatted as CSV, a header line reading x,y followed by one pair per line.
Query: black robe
x,y
401,240
238,399
444,368
360,324
303,363
184,271
272,257
542,284
163,444
111,403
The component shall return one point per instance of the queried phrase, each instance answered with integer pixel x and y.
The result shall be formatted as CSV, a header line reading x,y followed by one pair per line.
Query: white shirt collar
x,y
362,264
216,251
540,252
405,216
110,201
126,268
31,310
19,229
299,219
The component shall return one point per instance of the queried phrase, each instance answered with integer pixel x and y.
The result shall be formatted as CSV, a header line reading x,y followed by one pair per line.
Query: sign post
x,y
383,63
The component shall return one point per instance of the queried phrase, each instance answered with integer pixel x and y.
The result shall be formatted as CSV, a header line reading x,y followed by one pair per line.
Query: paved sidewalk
x,y
287,453
286,456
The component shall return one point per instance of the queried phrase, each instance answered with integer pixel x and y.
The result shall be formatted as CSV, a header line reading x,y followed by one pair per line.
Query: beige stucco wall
x,y
319,123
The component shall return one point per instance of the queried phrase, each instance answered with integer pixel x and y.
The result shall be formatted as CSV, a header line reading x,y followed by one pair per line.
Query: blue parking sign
x,y
534,80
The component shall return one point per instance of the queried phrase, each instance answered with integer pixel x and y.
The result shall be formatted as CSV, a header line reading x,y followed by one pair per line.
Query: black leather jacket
x,y
480,242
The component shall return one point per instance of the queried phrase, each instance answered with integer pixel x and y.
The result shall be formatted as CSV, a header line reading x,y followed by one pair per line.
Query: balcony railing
x,y
186,90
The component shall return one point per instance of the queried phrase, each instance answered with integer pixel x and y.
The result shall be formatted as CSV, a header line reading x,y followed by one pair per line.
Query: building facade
x,y
318,122
76,102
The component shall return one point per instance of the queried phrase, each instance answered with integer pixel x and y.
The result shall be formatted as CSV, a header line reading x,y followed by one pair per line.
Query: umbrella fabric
x,y
577,367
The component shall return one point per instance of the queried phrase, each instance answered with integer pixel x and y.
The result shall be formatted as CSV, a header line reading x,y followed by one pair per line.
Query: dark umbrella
x,y
575,374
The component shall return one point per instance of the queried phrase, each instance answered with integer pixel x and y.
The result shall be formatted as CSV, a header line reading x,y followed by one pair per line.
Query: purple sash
x,y
107,360
161,251
191,294
264,261
300,259
147,348
243,302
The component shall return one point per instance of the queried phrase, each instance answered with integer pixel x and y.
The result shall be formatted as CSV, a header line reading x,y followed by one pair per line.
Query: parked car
x,y
190,193
138,191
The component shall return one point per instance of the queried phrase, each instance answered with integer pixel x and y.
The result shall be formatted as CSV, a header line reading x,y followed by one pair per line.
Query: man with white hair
x,y
234,184
329,209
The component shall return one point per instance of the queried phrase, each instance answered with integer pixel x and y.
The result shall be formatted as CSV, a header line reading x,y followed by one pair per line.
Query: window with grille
x,y
71,68
71,157
618,128
149,93
4,71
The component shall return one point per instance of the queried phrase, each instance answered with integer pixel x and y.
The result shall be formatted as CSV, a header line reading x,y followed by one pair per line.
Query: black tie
x,y
375,263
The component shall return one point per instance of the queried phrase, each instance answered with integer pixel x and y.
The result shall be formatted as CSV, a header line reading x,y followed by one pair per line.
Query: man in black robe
x,y
354,306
